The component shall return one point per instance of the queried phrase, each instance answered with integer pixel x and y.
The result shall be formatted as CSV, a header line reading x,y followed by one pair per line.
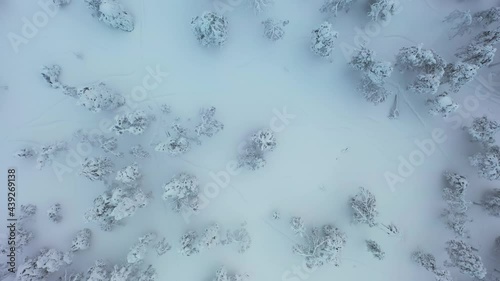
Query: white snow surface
x,y
335,143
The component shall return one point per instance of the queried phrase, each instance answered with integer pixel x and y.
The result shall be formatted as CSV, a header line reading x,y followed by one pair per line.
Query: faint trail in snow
x,y
402,37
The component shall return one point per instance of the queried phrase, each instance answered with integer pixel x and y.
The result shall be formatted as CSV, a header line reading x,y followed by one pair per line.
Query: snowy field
x,y
329,140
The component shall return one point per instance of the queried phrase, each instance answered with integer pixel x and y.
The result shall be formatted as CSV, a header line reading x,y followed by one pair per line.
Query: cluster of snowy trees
x,y
487,161
320,245
44,154
95,97
192,243
182,191
116,204
180,138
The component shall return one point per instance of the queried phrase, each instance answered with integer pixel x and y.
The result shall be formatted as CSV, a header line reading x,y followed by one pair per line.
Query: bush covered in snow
x,y
334,6
45,153
374,248
274,29
428,261
82,240
54,213
210,29
129,175
96,168
364,206
135,123
322,246
98,97
138,252
383,10
111,13
441,105
113,206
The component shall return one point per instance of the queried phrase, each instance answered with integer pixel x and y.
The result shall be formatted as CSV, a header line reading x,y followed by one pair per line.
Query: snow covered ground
x,y
330,142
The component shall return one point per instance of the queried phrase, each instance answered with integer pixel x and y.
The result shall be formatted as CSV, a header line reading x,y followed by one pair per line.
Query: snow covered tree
x,y
274,29
259,143
210,238
488,163
26,153
115,205
297,225
96,168
458,74
260,5
442,105
428,261
162,247
107,144
240,236
112,13
188,243
364,207
322,246
129,175
41,266
210,29
54,213
454,191
383,10
222,275
374,75
462,256
208,125
82,240
182,190
483,130
51,75
491,202
276,215
138,252
135,123
334,6
98,97
322,40
479,55
98,272
138,151
456,221
374,248
462,21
